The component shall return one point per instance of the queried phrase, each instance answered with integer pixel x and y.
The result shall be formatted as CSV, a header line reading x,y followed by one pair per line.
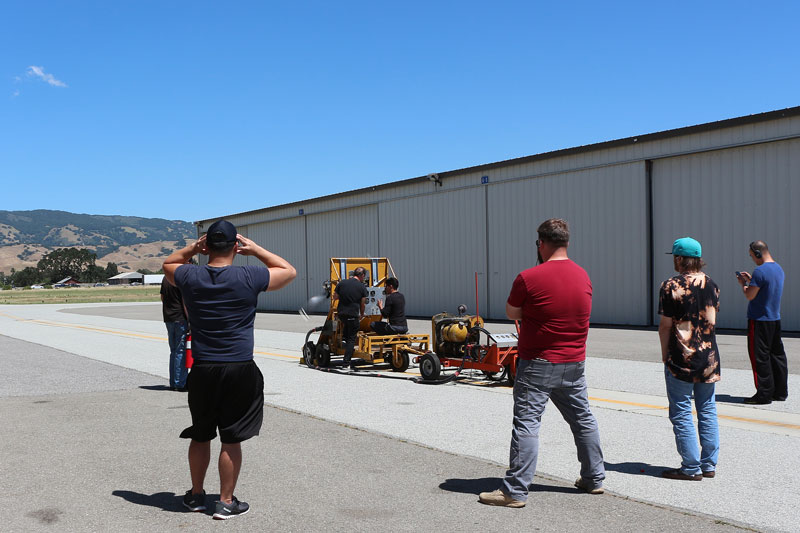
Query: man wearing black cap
x,y
226,388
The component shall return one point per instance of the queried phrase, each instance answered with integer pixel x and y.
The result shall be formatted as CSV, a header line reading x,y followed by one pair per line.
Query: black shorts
x,y
228,396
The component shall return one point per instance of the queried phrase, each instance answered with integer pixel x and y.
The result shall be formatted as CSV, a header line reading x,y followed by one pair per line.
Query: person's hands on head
x,y
200,246
245,246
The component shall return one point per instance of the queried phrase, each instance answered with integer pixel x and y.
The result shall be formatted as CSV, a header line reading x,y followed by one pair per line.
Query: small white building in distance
x,y
126,278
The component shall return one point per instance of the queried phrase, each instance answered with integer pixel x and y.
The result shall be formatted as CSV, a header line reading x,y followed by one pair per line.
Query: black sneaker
x,y
228,510
194,502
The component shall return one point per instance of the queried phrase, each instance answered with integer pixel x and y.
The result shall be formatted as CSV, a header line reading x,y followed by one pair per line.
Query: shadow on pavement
x,y
488,484
154,387
727,398
166,501
639,469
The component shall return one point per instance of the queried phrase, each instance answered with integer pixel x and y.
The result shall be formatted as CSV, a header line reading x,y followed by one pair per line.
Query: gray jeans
x,y
565,385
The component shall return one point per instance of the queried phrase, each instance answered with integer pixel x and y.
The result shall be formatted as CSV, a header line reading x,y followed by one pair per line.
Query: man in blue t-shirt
x,y
763,290
226,388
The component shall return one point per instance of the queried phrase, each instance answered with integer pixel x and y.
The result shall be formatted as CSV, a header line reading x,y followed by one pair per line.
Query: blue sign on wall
x,y
301,212
484,180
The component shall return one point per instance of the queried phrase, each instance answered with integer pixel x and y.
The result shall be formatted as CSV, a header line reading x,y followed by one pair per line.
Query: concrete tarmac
x,y
94,446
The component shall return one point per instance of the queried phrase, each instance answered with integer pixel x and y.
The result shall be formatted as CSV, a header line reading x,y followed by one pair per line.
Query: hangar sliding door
x,y
726,199
351,232
436,243
287,239
606,210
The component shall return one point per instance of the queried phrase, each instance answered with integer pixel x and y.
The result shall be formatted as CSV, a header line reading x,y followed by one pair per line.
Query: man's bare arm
x,y
183,256
281,273
514,313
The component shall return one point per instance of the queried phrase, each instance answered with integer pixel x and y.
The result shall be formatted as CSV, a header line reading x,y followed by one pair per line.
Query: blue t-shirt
x,y
767,303
221,302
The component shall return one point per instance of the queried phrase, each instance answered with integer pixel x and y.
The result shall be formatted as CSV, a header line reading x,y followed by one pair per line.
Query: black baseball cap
x,y
221,234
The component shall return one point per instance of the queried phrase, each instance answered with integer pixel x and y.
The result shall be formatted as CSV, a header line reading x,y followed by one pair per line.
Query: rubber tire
x,y
404,362
496,376
430,367
510,375
324,358
308,354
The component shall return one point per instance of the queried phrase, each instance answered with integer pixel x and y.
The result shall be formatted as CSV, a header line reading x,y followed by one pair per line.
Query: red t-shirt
x,y
556,301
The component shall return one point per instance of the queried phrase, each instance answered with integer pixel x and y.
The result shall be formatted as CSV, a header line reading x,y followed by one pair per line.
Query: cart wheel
x,y
496,376
404,362
429,366
324,357
308,354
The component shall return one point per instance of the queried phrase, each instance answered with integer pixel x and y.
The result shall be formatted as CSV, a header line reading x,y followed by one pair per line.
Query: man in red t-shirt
x,y
553,301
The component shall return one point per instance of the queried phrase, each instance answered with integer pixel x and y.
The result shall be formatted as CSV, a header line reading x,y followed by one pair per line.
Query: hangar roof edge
x,y
655,136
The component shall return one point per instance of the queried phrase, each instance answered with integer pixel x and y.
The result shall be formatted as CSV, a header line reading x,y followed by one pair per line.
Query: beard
x,y
539,260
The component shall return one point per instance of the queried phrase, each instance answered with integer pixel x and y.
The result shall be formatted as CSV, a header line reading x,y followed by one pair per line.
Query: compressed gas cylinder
x,y
454,333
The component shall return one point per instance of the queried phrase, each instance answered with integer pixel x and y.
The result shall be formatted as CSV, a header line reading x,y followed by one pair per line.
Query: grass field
x,y
82,295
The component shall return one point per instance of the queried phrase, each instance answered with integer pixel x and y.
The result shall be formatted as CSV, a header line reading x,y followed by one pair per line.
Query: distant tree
x,y
94,274
65,262
26,276
145,271
111,270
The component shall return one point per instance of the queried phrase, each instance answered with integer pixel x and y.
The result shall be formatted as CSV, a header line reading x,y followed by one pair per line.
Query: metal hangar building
x,y
725,183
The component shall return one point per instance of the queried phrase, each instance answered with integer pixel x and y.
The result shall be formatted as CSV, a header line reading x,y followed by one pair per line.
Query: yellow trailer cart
x,y
371,348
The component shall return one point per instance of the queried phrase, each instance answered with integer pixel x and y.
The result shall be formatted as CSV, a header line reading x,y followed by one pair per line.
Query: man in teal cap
x,y
688,304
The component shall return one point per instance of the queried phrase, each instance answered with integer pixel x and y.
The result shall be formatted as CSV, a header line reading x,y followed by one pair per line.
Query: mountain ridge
x,y
131,242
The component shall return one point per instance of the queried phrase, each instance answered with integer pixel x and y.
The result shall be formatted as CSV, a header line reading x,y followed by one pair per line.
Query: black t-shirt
x,y
221,302
350,292
394,308
172,303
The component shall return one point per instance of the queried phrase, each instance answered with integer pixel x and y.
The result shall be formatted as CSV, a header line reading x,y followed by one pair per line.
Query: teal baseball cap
x,y
686,247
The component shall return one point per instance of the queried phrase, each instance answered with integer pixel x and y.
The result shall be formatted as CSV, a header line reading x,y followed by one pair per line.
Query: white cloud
x,y
48,78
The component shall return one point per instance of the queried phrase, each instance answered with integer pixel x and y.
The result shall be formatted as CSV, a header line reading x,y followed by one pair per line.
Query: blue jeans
x,y
694,460
176,331
564,384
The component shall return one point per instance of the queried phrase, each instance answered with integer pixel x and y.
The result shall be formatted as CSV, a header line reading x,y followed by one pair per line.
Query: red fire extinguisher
x,y
188,359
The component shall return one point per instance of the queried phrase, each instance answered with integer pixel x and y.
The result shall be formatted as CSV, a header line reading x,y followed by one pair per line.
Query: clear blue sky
x,y
192,110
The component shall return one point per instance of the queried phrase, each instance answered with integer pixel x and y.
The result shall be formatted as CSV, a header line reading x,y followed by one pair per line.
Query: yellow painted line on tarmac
x,y
623,402
593,398
87,328
726,417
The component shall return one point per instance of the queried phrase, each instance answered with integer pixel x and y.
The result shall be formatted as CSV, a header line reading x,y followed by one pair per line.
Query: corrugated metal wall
x,y
606,211
436,243
287,239
726,199
709,183
347,233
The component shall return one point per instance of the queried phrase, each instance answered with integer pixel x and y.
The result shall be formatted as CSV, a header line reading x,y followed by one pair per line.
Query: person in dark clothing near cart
x,y
352,296
393,308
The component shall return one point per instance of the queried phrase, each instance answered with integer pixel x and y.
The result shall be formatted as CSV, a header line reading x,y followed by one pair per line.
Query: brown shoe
x,y
675,473
499,498
588,487
709,473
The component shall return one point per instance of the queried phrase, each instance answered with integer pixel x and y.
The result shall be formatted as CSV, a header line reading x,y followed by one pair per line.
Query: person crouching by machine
x,y
393,309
